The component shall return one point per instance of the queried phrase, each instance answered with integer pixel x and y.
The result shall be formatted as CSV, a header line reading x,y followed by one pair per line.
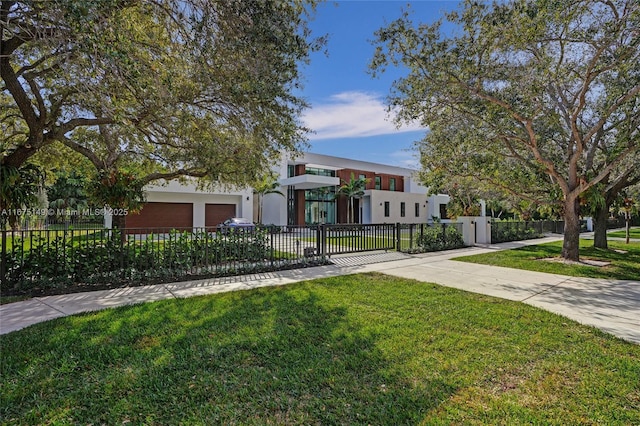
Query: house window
x,y
417,209
362,176
291,205
403,209
319,172
443,211
378,182
392,184
386,209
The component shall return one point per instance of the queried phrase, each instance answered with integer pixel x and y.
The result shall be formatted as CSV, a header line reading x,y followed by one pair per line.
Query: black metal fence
x,y
509,230
35,261
621,222
422,237
355,238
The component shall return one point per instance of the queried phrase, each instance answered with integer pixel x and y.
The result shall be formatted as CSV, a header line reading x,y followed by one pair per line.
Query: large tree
x,y
192,87
547,85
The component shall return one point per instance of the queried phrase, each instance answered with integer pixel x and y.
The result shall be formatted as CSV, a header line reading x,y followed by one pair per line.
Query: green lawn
x,y
29,239
624,266
633,233
360,349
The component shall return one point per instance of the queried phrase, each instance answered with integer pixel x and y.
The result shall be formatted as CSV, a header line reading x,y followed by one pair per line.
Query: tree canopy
x,y
542,87
168,88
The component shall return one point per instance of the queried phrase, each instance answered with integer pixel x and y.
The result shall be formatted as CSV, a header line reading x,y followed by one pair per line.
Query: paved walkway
x,y
610,305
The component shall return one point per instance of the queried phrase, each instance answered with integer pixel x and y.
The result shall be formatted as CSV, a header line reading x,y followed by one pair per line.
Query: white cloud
x,y
405,158
352,115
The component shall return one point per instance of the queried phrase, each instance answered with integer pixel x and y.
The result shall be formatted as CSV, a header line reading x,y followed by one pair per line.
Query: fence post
x,y
323,240
121,238
319,240
397,236
3,258
271,251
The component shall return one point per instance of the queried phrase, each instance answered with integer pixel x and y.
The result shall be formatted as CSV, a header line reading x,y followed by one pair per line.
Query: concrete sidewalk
x,y
612,306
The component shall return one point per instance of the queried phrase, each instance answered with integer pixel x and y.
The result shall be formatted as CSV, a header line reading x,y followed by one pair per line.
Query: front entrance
x,y
319,212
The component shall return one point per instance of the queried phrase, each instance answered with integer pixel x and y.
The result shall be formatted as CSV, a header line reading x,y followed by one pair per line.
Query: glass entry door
x,y
320,212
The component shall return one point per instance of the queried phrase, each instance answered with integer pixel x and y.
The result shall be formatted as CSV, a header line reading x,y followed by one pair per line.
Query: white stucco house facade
x,y
309,183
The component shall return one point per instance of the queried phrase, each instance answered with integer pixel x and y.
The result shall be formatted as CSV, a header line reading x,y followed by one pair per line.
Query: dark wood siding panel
x,y
162,215
300,169
215,214
345,175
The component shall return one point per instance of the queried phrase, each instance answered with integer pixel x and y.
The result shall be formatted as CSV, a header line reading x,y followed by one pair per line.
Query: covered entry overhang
x,y
310,181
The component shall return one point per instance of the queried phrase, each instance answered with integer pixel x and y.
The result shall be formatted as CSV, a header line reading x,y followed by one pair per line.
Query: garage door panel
x,y
162,215
215,214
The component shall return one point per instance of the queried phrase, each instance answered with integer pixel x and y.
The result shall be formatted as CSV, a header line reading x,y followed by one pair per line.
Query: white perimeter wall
x,y
274,208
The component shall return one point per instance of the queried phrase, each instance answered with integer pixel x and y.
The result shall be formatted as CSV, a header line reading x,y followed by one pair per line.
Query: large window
x,y
386,209
403,209
392,184
320,172
320,205
378,182
291,206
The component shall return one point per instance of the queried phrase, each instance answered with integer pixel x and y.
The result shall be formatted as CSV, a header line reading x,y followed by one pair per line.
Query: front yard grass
x,y
633,233
359,349
624,258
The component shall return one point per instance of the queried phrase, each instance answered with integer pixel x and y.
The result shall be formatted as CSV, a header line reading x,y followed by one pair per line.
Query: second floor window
x,y
378,182
392,184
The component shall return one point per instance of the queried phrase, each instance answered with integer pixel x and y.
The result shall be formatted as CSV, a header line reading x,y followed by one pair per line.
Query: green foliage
x,y
352,189
68,192
267,185
503,231
535,98
439,237
84,259
19,188
198,88
117,189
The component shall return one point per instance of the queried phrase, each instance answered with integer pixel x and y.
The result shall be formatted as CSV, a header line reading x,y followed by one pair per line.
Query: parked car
x,y
236,223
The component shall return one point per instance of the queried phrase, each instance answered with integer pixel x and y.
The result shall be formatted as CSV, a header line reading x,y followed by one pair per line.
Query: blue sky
x,y
348,111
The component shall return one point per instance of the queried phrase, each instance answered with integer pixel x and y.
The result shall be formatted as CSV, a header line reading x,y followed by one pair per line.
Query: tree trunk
x,y
600,228
350,212
118,221
570,246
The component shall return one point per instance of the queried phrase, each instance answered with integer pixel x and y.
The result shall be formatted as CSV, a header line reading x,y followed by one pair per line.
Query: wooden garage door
x,y
162,215
215,214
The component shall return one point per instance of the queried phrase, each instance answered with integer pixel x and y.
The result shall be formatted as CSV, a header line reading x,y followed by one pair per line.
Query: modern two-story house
x,y
309,184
